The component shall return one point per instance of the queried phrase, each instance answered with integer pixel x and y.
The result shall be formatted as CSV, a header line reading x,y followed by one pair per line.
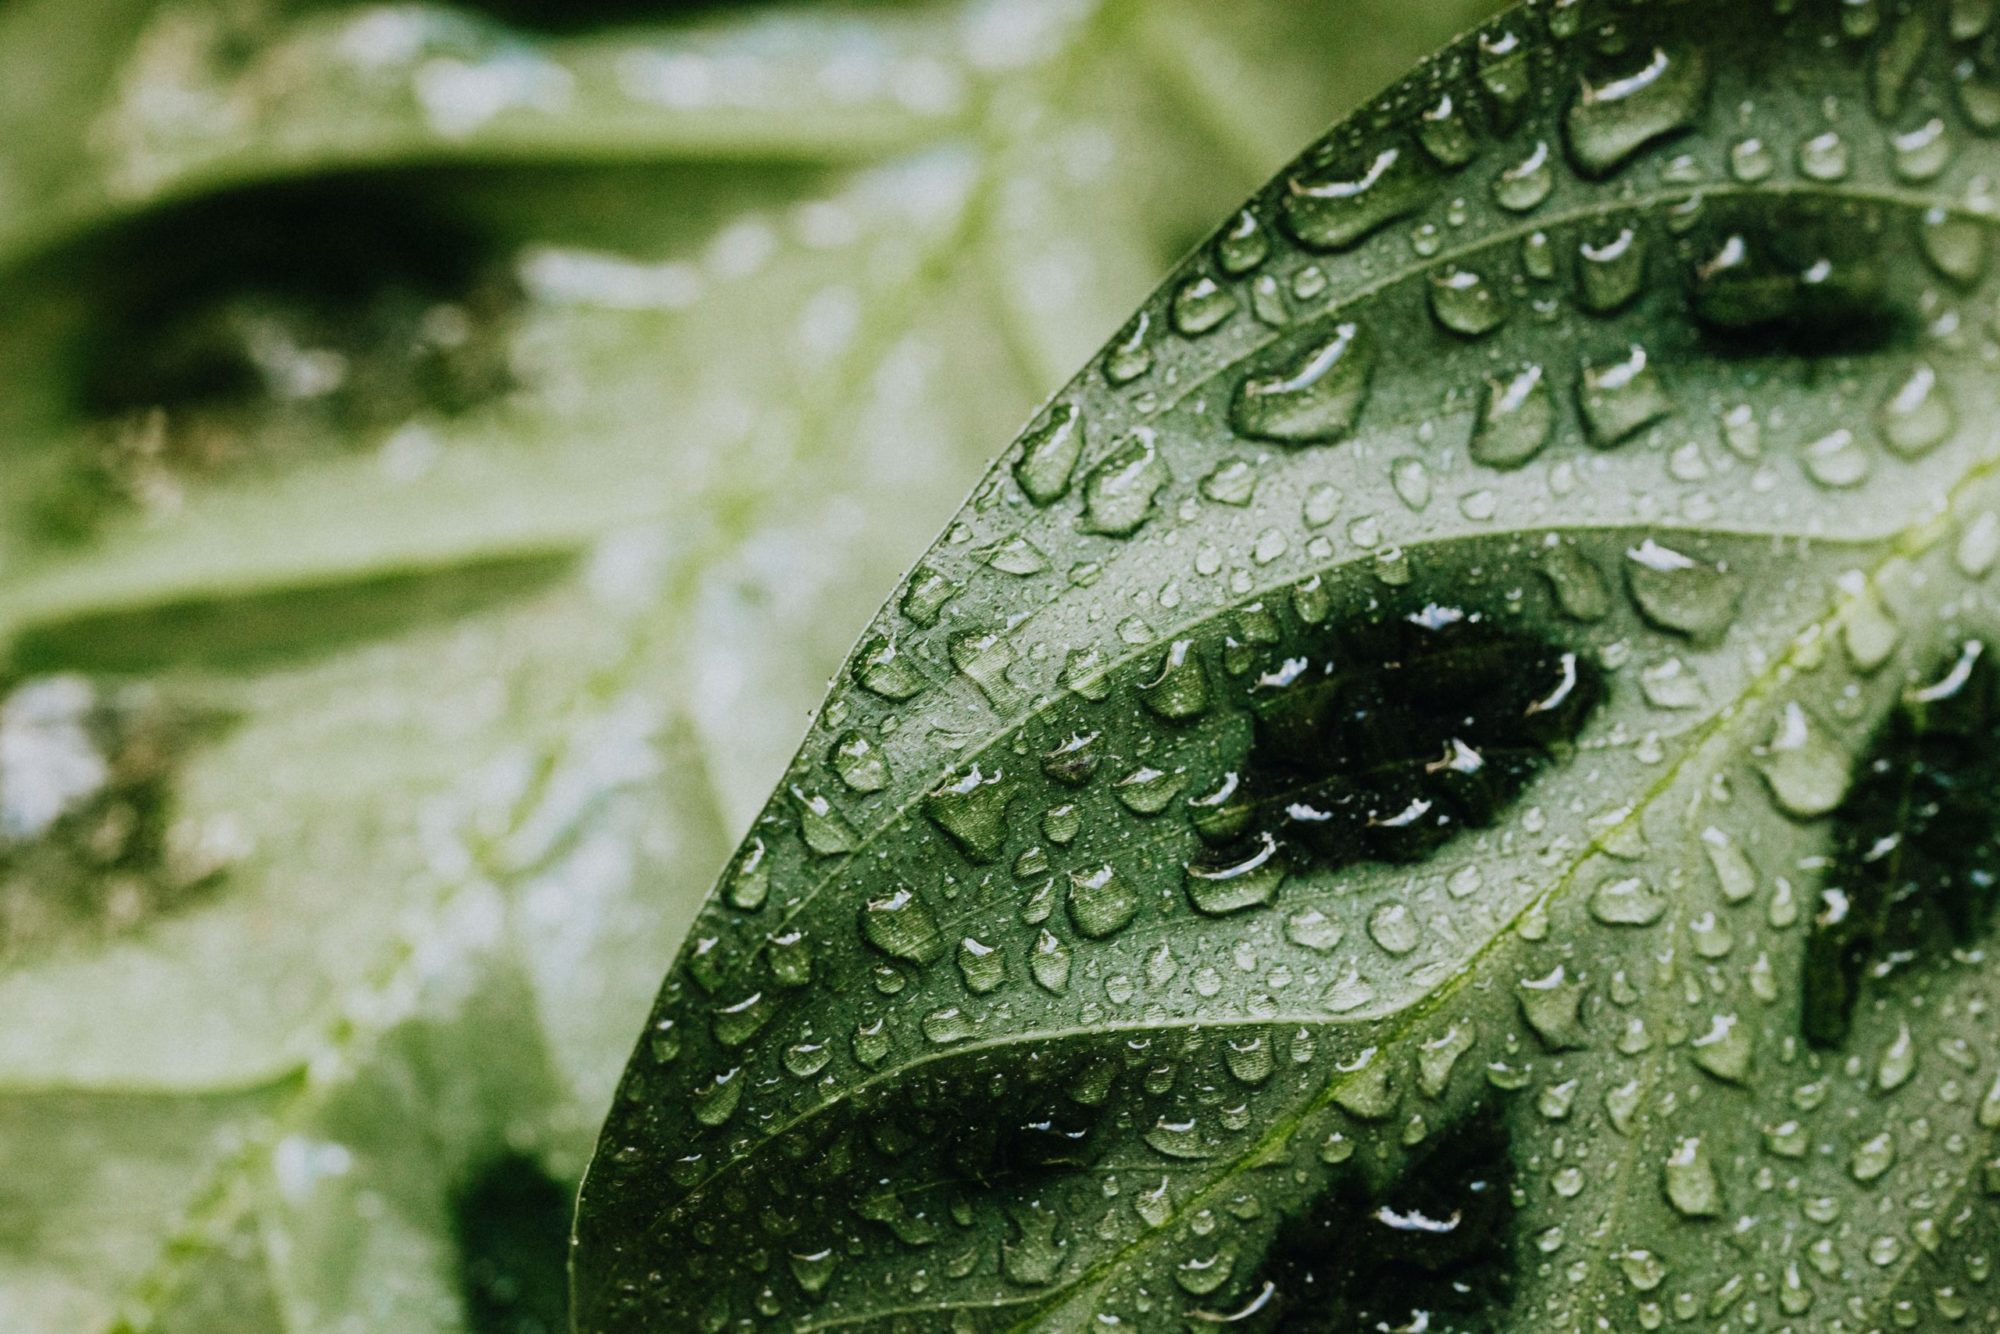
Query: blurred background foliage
x,y
446,449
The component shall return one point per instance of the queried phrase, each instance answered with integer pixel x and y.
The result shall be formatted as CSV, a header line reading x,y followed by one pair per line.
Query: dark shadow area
x,y
1917,848
1384,741
1431,1252
511,1223
1801,280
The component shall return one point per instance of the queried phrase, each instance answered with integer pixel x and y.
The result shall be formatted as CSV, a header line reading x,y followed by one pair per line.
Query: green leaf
x,y
447,451
1446,782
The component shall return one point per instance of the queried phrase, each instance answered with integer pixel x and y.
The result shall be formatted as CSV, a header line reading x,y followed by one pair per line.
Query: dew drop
x,y
1332,210
1918,416
1610,121
901,926
1311,396
1101,903
1049,455
1516,419
1622,398
1805,767
1689,1178
1679,593
1522,187
1120,491
1465,303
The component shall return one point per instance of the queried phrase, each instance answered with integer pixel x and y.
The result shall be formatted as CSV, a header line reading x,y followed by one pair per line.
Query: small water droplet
x,y
1516,419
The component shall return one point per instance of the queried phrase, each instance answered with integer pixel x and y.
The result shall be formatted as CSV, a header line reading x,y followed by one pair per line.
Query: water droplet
x,y
1873,1157
972,808
1837,460
1805,766
1734,874
1552,1005
1611,274
1314,930
948,1025
1243,244
1895,63
1899,1061
1679,593
1395,928
1311,396
1443,132
1176,1139
1049,964
882,669
1611,120
1725,1050
1202,304
824,829
1581,591
983,967
1248,1057
1628,901
1180,689
1412,481
1465,303
1131,354
1955,244
1148,791
1516,419
1622,398
901,926
1014,555
1101,903
789,958
1438,1056
1825,157
1522,187
1049,454
714,1102
1337,210
1249,882
1918,416
1119,492
748,882
1689,1177
859,762
1922,154
1234,482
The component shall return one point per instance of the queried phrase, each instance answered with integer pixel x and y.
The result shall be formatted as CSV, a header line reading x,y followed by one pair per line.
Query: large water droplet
x,y
1309,396
1516,420
1119,492
1049,454
1677,592
1336,210
1611,120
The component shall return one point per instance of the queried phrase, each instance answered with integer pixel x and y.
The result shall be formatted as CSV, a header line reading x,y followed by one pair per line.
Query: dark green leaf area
x,y
1430,1250
1806,278
1401,734
512,1226
335,308
1918,852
